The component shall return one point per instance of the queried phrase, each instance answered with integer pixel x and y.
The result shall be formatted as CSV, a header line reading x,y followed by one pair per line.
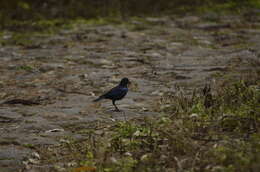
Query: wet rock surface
x,y
65,72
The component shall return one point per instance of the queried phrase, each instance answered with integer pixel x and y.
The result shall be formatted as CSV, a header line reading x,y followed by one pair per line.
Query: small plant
x,y
192,136
27,68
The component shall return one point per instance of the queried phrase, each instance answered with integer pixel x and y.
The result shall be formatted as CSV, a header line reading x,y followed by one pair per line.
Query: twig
x,y
71,92
21,101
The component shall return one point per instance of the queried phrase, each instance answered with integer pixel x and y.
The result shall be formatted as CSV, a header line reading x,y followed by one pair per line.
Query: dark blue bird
x,y
116,93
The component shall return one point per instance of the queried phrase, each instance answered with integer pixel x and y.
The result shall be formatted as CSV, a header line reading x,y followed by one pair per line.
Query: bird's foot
x,y
117,110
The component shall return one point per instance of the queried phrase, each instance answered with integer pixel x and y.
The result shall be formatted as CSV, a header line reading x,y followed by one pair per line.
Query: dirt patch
x,y
65,72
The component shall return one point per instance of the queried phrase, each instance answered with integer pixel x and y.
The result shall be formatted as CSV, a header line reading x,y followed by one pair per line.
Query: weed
x,y
190,136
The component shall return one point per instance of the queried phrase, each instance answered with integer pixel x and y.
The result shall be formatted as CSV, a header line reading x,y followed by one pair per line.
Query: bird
x,y
116,93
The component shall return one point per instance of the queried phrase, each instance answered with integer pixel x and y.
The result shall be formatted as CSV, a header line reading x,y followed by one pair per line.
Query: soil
x,y
60,75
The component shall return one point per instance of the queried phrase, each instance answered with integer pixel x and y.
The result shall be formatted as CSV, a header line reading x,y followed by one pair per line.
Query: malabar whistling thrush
x,y
116,93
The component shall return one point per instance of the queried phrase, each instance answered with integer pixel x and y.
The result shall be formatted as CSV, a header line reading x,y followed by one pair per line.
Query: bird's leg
x,y
124,115
113,101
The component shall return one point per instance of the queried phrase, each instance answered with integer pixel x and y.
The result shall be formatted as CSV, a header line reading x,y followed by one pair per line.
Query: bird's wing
x,y
117,92
113,92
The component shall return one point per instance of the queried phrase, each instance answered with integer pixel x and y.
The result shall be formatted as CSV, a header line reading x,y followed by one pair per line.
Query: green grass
x,y
29,33
190,135
27,68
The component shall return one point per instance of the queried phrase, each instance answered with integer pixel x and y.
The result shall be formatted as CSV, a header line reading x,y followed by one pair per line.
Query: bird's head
x,y
124,82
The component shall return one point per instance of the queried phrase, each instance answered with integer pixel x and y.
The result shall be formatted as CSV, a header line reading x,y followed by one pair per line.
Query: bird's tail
x,y
100,98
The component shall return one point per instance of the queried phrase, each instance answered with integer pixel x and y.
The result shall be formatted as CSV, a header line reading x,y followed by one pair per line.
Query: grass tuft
x,y
192,135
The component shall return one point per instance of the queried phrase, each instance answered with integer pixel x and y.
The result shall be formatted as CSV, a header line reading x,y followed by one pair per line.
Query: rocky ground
x,y
60,75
